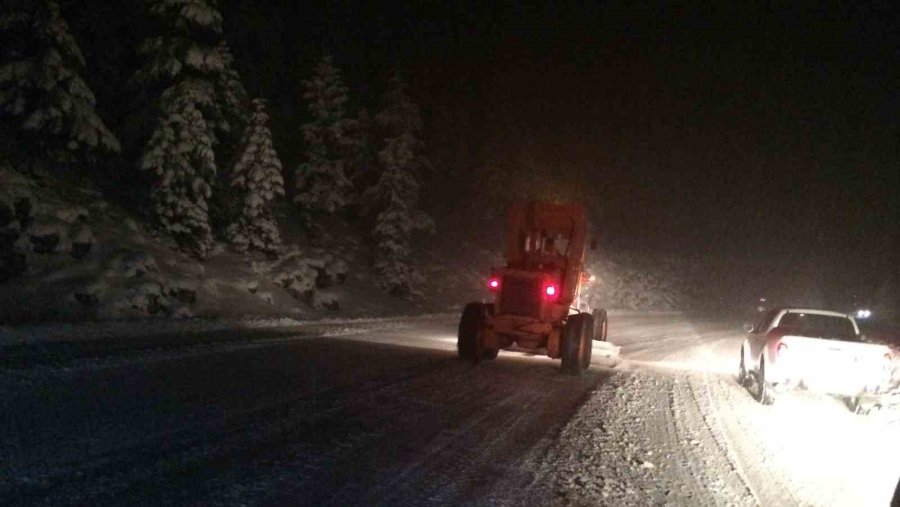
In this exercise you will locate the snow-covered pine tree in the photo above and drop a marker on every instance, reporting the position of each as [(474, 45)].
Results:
[(394, 197), (233, 112), (322, 185), (257, 173), (46, 106), (232, 97), (192, 69), (361, 160), (191, 53), (180, 154)]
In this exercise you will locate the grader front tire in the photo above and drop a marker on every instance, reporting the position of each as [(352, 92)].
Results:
[(576, 347), (601, 324)]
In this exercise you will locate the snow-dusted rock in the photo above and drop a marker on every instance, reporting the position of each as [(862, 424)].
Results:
[(82, 233), (131, 263), (337, 270), (317, 261), (92, 292), (72, 214), (243, 284), (301, 288), (85, 298), (82, 240), (297, 276), (266, 296), (100, 205), (182, 289), (48, 235), (181, 312), (146, 297), (261, 267), (132, 298), (326, 300)]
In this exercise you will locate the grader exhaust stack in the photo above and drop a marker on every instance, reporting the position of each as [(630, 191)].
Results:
[(536, 304)]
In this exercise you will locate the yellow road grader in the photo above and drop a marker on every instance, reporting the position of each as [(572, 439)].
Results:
[(536, 295)]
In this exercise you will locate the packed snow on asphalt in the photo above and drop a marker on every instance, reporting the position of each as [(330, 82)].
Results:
[(382, 412)]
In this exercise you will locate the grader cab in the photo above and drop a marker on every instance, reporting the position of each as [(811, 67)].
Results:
[(537, 306)]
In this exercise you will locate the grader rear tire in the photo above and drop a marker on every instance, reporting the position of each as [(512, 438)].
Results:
[(468, 345), (489, 354), (576, 347), (469, 339)]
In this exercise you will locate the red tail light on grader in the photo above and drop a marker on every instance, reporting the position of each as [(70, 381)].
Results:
[(536, 304)]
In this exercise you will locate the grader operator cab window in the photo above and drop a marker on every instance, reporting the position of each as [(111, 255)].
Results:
[(544, 243), (556, 244)]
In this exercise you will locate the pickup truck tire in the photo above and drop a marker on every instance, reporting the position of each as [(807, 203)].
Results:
[(855, 404), (743, 376), (469, 346), (576, 346), (896, 501), (764, 393)]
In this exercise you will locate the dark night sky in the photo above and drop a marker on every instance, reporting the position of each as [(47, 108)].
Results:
[(762, 134), (765, 134)]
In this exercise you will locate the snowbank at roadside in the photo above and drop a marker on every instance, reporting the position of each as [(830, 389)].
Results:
[(69, 255), (148, 327)]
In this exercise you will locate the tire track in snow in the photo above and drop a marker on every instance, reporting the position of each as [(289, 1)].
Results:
[(725, 443), (701, 351), (640, 439), (767, 486), (787, 453), (482, 429)]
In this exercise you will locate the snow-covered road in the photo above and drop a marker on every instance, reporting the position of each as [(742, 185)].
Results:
[(382, 412)]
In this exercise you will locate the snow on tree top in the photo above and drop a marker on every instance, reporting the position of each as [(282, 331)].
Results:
[(189, 13), (40, 84)]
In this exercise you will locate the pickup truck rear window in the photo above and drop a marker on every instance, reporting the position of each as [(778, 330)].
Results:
[(819, 326)]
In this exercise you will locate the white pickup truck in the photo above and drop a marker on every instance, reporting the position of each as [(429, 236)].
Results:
[(815, 349)]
